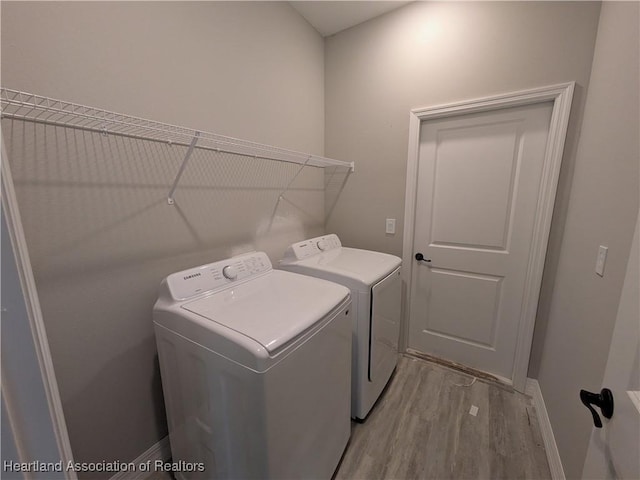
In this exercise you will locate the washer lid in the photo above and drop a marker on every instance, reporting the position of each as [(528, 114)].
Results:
[(271, 309), (364, 266)]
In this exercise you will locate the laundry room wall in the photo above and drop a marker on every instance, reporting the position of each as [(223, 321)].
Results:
[(433, 53), (100, 233), (429, 54), (578, 309)]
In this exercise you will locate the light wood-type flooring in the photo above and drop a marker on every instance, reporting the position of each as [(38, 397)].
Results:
[(422, 428)]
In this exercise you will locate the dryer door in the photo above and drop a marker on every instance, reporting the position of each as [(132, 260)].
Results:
[(386, 302)]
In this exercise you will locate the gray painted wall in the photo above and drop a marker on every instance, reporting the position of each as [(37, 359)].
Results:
[(577, 316), (431, 53), (100, 233)]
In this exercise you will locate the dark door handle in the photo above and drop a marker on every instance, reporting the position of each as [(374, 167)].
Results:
[(602, 400), (420, 258)]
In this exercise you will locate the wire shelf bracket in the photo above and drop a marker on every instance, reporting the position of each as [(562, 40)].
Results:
[(192, 145), (43, 110)]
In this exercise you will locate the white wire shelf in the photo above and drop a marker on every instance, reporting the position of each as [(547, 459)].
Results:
[(38, 109)]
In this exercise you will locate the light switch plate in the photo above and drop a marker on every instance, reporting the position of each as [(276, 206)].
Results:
[(390, 225), (601, 260)]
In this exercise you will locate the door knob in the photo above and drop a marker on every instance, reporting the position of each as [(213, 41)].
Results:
[(602, 400), (420, 258)]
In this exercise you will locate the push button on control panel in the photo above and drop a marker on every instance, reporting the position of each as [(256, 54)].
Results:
[(255, 264)]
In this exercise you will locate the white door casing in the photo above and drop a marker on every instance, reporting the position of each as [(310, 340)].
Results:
[(613, 449), (31, 403), (477, 231)]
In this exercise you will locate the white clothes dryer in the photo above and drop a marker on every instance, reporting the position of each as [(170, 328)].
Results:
[(253, 370), (376, 292)]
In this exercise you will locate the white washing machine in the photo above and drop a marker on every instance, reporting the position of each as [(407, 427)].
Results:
[(376, 292), (255, 370)]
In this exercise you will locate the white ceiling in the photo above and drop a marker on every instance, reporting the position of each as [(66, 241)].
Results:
[(329, 17)]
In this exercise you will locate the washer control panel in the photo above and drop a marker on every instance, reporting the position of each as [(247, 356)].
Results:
[(313, 246), (214, 276)]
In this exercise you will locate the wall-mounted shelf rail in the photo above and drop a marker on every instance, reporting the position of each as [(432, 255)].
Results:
[(38, 109)]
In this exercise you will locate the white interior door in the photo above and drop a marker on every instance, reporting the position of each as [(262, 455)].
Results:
[(479, 182), (614, 449)]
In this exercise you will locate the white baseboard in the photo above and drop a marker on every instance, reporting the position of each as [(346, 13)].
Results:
[(159, 451), (532, 388)]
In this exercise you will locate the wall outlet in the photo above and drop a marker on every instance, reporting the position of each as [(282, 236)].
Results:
[(390, 225), (600, 261)]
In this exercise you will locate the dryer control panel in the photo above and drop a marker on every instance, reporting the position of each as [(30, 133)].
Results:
[(213, 276), (313, 246)]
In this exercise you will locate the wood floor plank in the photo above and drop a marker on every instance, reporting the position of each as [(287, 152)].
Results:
[(422, 428), (474, 436)]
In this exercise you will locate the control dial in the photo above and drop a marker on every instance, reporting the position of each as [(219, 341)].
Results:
[(322, 245), (230, 272)]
